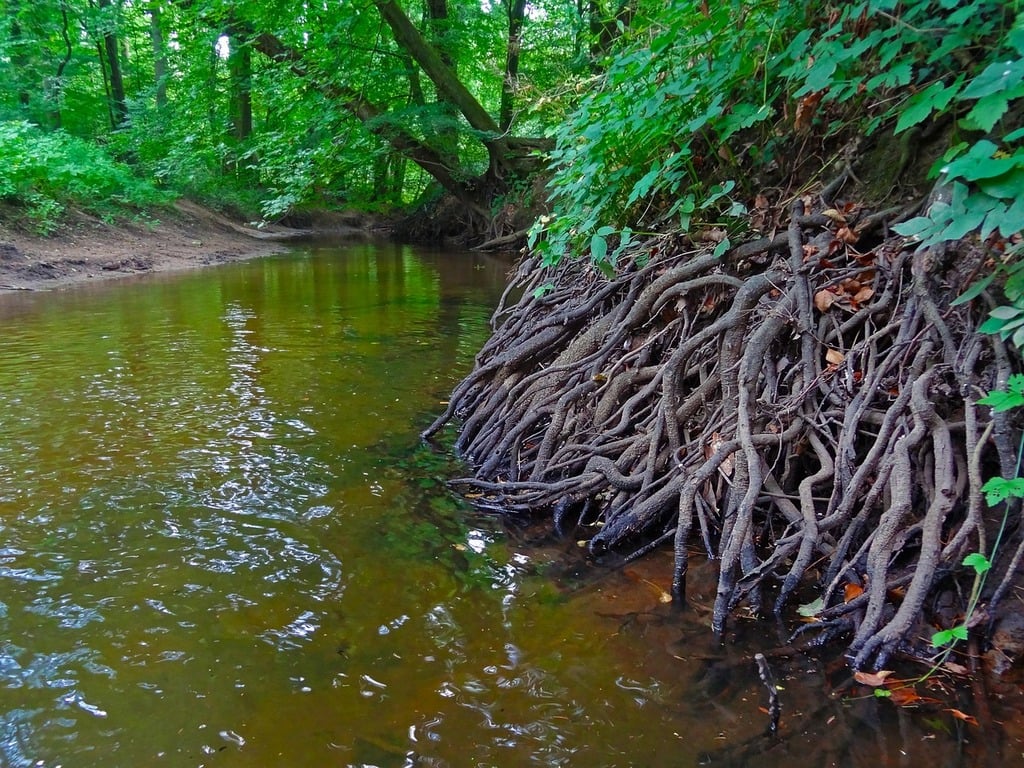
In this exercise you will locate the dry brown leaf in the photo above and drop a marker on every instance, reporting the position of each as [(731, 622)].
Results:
[(873, 679), (956, 669), (835, 215), (962, 716), (834, 357), (904, 697), (805, 111), (863, 294), (823, 300), (726, 466), (851, 590), (847, 235)]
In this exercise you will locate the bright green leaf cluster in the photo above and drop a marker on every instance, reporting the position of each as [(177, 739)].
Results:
[(44, 172)]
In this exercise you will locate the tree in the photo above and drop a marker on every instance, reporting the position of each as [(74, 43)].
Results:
[(110, 60)]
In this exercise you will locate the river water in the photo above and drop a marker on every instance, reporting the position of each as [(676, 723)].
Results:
[(221, 544)]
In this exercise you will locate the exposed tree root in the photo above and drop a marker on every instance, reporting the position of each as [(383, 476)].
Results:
[(804, 408)]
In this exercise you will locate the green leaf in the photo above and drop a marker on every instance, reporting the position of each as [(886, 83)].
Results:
[(917, 108), (598, 248), (643, 186), (812, 608), (974, 291), (978, 562), (882, 693), (987, 112), (542, 290), (998, 490), (979, 163), (949, 636), (992, 325), (721, 248), (1006, 312), (996, 77), (606, 269), (1002, 401), (914, 227), (1007, 185)]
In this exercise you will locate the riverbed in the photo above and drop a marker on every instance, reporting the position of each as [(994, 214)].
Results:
[(223, 544)]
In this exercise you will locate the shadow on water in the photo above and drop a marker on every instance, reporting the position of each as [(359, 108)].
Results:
[(223, 545)]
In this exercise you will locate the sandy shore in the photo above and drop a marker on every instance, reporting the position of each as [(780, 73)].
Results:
[(87, 249)]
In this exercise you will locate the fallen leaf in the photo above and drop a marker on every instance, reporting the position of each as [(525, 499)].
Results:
[(905, 697), (823, 300), (847, 235), (834, 357), (726, 466), (835, 215), (851, 590), (962, 716), (956, 669), (806, 109), (812, 608), (873, 679), (863, 294)]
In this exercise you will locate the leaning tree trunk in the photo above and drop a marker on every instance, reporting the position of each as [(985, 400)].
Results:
[(805, 409)]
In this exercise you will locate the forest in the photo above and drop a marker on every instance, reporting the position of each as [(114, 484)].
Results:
[(770, 308)]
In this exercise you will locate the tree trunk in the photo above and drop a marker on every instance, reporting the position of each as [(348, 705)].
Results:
[(18, 58), (156, 36), (516, 14), (118, 102), (240, 69), (445, 132), (446, 82)]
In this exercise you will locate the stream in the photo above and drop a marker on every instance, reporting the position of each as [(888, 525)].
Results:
[(222, 544)]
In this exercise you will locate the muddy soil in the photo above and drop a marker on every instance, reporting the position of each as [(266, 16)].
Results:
[(86, 249)]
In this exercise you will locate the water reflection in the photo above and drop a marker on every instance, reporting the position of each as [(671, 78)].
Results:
[(222, 545)]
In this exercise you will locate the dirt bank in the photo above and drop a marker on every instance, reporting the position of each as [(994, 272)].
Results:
[(86, 249)]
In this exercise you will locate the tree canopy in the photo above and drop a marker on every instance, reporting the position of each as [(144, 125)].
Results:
[(367, 104)]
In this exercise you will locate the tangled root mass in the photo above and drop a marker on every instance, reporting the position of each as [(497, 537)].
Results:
[(803, 409)]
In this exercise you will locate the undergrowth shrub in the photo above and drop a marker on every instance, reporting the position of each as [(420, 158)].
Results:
[(45, 172)]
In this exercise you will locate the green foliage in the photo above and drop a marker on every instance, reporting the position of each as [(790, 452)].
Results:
[(45, 172), (698, 95), (636, 150)]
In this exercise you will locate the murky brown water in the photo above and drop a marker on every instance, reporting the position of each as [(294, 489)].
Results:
[(221, 545)]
